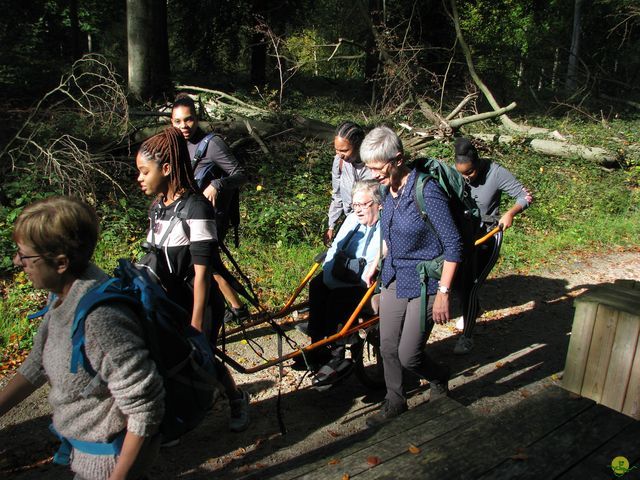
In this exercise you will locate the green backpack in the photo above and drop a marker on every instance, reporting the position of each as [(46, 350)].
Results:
[(463, 208)]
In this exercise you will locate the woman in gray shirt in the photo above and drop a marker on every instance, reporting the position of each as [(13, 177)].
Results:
[(487, 181)]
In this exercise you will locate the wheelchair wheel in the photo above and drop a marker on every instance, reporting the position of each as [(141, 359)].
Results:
[(368, 361)]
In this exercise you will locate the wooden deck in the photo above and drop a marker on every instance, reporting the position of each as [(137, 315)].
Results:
[(553, 434)]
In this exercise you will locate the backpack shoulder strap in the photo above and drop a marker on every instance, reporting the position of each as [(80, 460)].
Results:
[(44, 310), (201, 150), (178, 215), (421, 179), (107, 292)]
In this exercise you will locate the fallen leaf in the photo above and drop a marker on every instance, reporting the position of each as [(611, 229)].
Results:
[(373, 460), (334, 434), (499, 364), (345, 476), (413, 449), (334, 461)]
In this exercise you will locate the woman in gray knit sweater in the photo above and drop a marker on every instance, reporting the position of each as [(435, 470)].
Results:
[(55, 238)]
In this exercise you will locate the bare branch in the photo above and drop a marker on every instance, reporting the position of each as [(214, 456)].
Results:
[(90, 99)]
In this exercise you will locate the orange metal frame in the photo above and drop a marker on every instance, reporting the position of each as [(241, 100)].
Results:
[(348, 328)]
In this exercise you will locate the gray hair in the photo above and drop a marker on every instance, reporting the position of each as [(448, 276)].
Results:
[(380, 145), (372, 187)]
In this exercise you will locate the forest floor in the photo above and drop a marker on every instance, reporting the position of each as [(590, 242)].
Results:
[(521, 344)]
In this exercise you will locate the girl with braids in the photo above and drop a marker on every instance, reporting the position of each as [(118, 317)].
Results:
[(347, 169), (183, 231)]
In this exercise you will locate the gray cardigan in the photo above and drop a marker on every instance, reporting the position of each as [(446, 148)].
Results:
[(131, 396), (343, 176)]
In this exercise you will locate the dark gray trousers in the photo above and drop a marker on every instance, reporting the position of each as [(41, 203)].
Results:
[(402, 342)]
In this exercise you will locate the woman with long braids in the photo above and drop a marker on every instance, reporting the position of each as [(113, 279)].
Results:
[(183, 233), (347, 169)]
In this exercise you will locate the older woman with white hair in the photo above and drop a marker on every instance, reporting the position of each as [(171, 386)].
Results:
[(409, 240), (336, 293)]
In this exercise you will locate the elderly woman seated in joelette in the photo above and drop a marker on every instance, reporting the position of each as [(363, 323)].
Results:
[(335, 294)]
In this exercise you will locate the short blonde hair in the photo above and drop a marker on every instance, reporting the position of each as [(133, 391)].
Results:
[(59, 225)]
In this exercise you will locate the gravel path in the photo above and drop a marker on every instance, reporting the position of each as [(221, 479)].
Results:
[(521, 343)]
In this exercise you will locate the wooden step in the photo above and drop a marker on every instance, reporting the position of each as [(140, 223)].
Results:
[(553, 434)]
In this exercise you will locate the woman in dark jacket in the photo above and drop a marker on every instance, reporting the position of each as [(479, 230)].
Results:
[(408, 241)]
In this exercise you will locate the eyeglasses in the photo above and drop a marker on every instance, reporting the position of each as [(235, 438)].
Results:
[(362, 205), (380, 169), (26, 257)]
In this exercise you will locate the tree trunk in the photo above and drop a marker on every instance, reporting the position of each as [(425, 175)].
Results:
[(556, 148), (372, 59), (258, 69), (75, 29), (258, 74), (148, 48), (574, 51), (506, 121)]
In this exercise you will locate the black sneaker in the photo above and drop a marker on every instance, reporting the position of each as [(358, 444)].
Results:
[(386, 413), (237, 315)]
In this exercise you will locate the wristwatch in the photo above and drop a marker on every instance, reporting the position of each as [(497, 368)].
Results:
[(443, 289)]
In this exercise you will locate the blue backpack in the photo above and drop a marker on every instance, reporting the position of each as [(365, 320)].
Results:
[(203, 173), (182, 355)]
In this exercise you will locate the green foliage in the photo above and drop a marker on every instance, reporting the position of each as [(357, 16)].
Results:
[(276, 268), (291, 193), (124, 225), (16, 331)]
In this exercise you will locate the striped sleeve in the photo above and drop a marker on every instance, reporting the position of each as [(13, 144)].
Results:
[(202, 231)]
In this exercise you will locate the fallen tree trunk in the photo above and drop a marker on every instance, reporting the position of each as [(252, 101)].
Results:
[(264, 129), (506, 121), (557, 148), (481, 116)]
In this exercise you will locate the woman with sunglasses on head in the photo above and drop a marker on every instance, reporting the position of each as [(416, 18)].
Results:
[(334, 295), (487, 181), (121, 413), (346, 170), (409, 240), (183, 232)]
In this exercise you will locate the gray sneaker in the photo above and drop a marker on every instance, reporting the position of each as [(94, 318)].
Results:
[(239, 418), (386, 413), (440, 387), (463, 346)]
